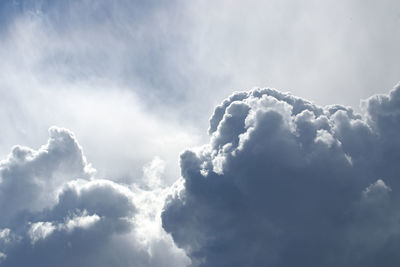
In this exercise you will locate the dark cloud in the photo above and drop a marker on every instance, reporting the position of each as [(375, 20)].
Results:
[(284, 182), (87, 216), (55, 212)]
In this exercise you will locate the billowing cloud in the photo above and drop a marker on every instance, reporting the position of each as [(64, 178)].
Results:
[(284, 182), (29, 178), (56, 212)]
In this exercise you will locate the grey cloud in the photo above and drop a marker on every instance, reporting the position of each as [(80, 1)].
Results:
[(56, 212), (284, 182), (78, 230)]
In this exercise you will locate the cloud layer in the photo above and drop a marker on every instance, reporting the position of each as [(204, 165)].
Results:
[(55, 212), (284, 182)]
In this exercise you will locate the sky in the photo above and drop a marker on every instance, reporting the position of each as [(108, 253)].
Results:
[(199, 133)]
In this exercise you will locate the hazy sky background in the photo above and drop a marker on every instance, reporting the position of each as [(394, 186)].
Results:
[(129, 73)]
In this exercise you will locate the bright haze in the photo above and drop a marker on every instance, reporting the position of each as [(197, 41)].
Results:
[(148, 133)]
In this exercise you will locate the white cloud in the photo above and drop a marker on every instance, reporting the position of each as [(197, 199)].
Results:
[(153, 171), (2, 256), (30, 178), (324, 137), (5, 235), (40, 230)]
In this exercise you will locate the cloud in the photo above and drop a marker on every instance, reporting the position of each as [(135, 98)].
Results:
[(29, 178), (55, 211), (284, 182), (133, 78)]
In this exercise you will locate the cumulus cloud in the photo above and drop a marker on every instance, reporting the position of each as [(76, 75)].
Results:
[(56, 212), (284, 182), (29, 178)]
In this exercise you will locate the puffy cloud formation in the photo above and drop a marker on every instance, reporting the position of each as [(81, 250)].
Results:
[(29, 178), (284, 182), (55, 212)]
